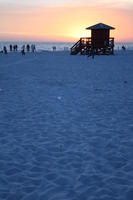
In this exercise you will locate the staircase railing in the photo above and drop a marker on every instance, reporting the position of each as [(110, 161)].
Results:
[(75, 44), (81, 45), (75, 48), (84, 45)]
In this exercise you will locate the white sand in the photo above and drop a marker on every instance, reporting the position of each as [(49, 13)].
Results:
[(66, 127)]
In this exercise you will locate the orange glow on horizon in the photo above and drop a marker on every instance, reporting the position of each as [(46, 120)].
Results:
[(64, 23)]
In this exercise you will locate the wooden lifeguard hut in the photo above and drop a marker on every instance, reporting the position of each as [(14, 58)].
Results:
[(100, 41)]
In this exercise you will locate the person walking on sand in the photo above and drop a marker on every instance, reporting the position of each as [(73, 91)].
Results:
[(92, 52), (23, 50), (123, 48), (33, 48), (5, 50), (54, 48), (28, 47), (10, 48), (16, 48)]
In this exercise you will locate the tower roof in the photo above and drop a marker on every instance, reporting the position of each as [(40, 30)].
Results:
[(100, 26)]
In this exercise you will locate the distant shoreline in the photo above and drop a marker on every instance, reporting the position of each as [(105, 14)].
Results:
[(60, 46)]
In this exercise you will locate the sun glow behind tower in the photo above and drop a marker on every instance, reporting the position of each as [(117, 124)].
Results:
[(64, 20)]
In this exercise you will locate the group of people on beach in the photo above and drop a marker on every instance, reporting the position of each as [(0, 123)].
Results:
[(23, 49), (28, 48)]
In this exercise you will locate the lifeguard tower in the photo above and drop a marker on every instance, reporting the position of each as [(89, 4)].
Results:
[(100, 41)]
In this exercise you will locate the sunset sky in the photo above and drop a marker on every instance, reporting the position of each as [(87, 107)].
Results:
[(63, 20)]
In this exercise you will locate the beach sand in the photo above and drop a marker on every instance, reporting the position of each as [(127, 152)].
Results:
[(66, 127)]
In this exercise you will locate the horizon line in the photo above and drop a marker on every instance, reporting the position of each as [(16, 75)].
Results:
[(55, 41)]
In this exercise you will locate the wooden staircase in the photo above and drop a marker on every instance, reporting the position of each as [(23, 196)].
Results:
[(84, 47), (75, 49)]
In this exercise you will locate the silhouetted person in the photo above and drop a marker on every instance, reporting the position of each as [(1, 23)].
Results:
[(5, 50), (28, 47), (54, 48), (16, 48), (92, 51), (23, 50), (10, 47), (105, 46), (111, 43), (123, 48), (33, 48), (105, 43)]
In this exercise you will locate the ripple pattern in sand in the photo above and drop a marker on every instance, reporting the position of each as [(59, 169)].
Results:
[(65, 133)]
